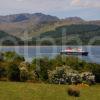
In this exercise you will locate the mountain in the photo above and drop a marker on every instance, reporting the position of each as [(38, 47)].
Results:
[(37, 17), (18, 24), (27, 26), (14, 18), (80, 34), (73, 20), (33, 24)]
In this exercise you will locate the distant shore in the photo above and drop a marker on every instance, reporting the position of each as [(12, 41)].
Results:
[(45, 45)]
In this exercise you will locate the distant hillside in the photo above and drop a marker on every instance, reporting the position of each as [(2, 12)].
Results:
[(70, 35), (37, 17), (27, 27), (32, 25), (6, 39), (19, 24)]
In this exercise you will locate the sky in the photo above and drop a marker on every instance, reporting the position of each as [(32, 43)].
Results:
[(86, 9)]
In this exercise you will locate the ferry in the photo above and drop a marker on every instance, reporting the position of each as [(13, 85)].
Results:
[(74, 51)]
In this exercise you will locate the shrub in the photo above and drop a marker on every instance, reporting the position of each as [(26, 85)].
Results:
[(13, 72), (2, 72), (8, 56), (24, 71), (1, 56), (23, 75), (41, 68), (73, 91), (13, 56), (18, 58), (96, 71)]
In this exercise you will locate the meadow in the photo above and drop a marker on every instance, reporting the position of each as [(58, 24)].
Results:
[(34, 91)]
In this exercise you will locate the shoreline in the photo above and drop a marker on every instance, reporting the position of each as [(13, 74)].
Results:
[(50, 45)]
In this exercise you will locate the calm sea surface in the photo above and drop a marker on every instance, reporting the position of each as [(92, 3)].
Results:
[(30, 52)]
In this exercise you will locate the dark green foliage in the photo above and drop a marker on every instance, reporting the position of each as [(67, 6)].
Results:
[(13, 56), (80, 34), (3, 34), (68, 35), (15, 69), (96, 71), (13, 72), (42, 65), (41, 68), (19, 58), (9, 56), (23, 75), (7, 39), (1, 56), (2, 72)]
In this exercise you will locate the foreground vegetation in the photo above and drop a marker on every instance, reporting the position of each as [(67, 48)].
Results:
[(40, 77), (30, 91), (61, 69)]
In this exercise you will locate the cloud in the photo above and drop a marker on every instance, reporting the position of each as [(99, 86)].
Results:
[(20, 0), (34, 5), (53, 7), (75, 2), (86, 3)]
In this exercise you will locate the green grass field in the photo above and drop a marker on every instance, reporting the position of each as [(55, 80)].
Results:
[(30, 91)]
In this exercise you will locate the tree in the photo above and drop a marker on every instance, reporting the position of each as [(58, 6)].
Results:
[(1, 56), (2, 72), (96, 71), (24, 71), (13, 73), (23, 74), (41, 68), (13, 56), (9, 56), (18, 58)]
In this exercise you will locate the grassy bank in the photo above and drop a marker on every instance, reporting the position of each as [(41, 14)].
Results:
[(30, 91)]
